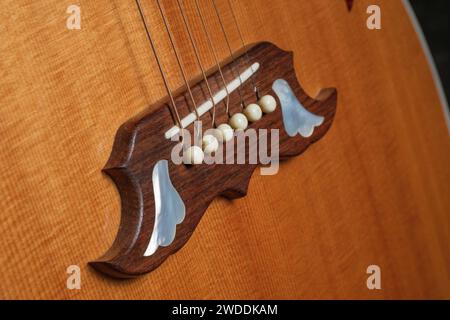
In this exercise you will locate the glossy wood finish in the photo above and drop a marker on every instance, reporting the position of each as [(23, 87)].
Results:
[(375, 190)]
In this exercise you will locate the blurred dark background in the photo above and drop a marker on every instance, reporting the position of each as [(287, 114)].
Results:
[(434, 17)]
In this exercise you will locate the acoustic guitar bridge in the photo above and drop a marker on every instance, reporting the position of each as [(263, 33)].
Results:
[(166, 186)]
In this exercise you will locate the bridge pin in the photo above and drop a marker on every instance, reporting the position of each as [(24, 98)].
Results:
[(227, 132), (253, 112), (267, 103), (239, 121), (193, 155), (210, 144)]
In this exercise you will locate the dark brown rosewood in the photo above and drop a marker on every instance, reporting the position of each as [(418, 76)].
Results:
[(349, 4), (140, 143)]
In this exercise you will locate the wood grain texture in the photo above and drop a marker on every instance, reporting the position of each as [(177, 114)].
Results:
[(385, 199)]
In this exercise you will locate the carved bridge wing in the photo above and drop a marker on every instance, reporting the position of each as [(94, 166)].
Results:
[(162, 202)]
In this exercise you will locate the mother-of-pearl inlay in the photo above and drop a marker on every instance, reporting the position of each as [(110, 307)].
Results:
[(296, 119), (169, 209)]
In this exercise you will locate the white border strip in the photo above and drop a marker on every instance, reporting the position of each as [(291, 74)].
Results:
[(426, 48), (218, 97)]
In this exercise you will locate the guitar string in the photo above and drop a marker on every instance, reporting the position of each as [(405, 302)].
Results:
[(244, 45), (212, 49), (177, 55), (216, 9), (160, 66), (197, 55), (180, 64)]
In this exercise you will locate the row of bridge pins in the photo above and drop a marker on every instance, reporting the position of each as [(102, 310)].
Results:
[(225, 132)]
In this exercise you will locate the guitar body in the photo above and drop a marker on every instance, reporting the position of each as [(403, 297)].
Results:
[(375, 190)]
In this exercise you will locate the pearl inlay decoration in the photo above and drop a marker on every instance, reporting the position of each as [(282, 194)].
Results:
[(169, 209)]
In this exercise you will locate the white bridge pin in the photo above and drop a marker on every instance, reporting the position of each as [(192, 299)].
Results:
[(210, 144), (227, 132), (253, 112), (239, 121), (193, 155), (267, 103)]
